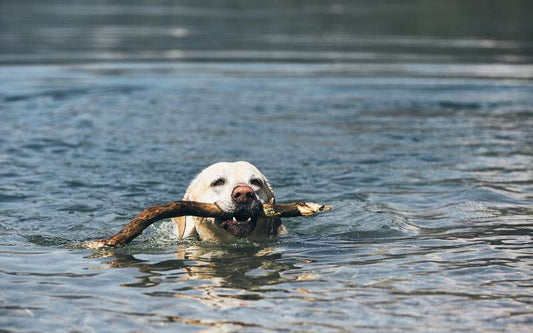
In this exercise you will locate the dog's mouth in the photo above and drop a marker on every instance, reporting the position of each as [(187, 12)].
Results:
[(242, 223), (241, 218), (239, 228)]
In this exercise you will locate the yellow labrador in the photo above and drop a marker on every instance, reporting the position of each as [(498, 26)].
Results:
[(238, 188)]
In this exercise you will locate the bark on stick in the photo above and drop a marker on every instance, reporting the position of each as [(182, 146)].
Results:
[(192, 208)]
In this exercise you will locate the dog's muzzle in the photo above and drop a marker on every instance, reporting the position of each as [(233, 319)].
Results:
[(244, 213)]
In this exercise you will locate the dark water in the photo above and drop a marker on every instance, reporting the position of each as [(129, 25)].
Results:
[(414, 119)]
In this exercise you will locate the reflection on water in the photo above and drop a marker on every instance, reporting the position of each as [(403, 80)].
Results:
[(243, 267), (412, 118)]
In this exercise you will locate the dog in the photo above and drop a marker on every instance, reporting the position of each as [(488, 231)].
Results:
[(238, 188)]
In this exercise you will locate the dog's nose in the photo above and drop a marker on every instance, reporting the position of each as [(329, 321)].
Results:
[(243, 194)]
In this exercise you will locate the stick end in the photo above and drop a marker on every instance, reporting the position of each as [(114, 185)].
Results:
[(310, 208)]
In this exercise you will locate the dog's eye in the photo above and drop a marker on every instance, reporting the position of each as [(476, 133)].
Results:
[(256, 182), (218, 182)]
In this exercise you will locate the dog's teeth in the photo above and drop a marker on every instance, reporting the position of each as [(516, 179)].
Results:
[(234, 219)]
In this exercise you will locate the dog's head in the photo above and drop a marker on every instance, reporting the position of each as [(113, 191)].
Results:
[(237, 188)]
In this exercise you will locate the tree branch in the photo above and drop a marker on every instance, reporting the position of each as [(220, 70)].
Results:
[(192, 208)]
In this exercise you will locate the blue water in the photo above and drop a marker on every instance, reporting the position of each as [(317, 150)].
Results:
[(426, 159)]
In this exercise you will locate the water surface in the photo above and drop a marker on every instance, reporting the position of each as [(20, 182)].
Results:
[(421, 142)]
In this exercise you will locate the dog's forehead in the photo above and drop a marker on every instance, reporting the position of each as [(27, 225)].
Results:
[(236, 170)]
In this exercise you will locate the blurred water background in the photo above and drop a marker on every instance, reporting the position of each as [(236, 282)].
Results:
[(413, 118)]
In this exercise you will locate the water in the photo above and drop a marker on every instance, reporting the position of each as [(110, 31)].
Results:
[(420, 136)]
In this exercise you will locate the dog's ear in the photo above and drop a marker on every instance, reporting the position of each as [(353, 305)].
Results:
[(188, 196), (270, 191), (181, 224)]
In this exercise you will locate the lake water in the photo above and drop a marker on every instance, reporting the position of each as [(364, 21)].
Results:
[(414, 119)]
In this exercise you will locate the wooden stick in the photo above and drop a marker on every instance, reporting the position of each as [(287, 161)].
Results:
[(192, 208)]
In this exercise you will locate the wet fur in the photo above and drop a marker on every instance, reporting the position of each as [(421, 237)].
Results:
[(201, 189)]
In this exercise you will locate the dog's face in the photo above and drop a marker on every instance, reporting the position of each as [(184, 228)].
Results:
[(237, 188)]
